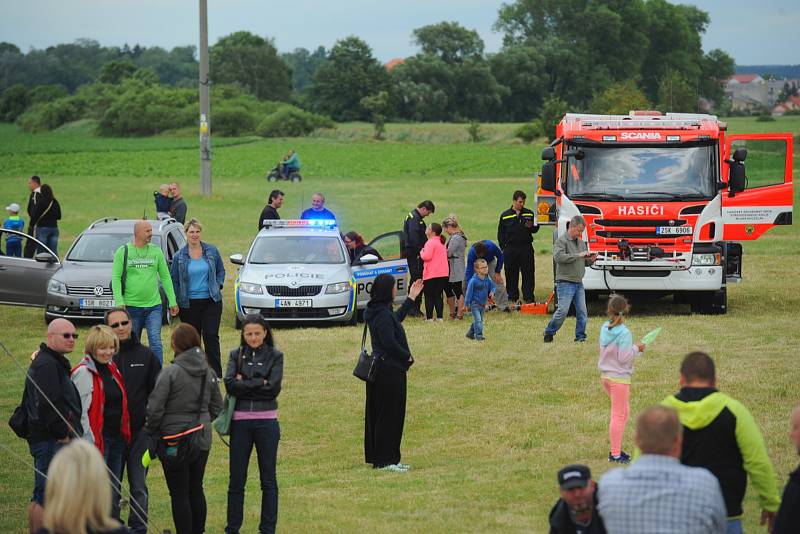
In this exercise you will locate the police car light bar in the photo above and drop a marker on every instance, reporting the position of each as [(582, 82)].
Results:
[(300, 223)]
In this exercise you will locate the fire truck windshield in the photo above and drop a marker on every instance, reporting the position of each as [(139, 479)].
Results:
[(641, 172)]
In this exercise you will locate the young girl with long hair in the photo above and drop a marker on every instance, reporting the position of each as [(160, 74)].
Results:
[(617, 353), (435, 271)]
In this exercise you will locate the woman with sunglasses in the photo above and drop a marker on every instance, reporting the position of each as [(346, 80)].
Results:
[(139, 368)]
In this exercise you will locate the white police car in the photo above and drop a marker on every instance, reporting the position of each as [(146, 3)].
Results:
[(299, 270)]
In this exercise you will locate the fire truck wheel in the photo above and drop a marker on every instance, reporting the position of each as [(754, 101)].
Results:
[(711, 302)]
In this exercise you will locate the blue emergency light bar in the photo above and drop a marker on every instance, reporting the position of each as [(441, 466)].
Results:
[(327, 224)]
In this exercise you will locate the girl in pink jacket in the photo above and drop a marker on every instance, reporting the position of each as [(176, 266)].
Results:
[(435, 271), (617, 352)]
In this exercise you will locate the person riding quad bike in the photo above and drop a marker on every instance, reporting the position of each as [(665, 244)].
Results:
[(287, 169)]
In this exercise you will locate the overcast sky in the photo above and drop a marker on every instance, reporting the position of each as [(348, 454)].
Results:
[(753, 32)]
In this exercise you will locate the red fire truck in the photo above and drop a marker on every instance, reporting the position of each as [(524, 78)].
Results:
[(666, 200)]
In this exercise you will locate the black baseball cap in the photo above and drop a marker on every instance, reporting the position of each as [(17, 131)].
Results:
[(574, 476)]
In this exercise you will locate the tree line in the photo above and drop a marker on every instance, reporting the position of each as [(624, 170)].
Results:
[(578, 55)]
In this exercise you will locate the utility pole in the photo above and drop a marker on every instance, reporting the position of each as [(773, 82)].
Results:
[(205, 107)]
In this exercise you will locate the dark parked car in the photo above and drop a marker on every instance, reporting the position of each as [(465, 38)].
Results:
[(80, 286)]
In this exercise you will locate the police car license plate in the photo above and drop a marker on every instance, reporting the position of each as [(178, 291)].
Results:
[(674, 230), (97, 303), (292, 303)]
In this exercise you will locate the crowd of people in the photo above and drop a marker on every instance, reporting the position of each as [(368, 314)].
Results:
[(119, 405)]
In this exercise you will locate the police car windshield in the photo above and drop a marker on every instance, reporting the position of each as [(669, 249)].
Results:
[(297, 249), (100, 248), (637, 172)]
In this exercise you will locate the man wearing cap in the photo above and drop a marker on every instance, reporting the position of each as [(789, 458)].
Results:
[(14, 222), (657, 493), (576, 510)]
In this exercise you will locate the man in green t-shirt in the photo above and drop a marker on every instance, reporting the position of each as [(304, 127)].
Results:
[(141, 296)]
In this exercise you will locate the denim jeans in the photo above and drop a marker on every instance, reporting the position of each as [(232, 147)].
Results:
[(734, 526), (568, 293), (137, 473), (42, 452), (114, 455), (150, 319), (48, 236), (264, 434), (14, 248), (476, 328)]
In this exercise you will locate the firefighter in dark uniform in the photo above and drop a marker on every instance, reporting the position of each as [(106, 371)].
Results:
[(515, 236), (413, 239)]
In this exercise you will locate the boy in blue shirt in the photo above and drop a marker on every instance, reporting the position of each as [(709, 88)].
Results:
[(14, 222), (479, 290)]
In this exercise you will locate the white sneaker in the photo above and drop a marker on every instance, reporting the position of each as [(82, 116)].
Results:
[(395, 468), (404, 466)]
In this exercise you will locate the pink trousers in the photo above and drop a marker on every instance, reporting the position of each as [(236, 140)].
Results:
[(620, 396)]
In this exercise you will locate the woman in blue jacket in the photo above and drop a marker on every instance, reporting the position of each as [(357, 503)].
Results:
[(198, 275), (386, 396)]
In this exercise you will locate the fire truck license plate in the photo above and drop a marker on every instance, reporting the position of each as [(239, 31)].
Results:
[(674, 230), (292, 303)]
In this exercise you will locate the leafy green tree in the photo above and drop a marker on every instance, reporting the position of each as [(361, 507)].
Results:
[(676, 95), (252, 62), (350, 74), (13, 103), (520, 68), (417, 101), (717, 66), (378, 107), (115, 71), (553, 111), (619, 99), (675, 45), (449, 41), (303, 65)]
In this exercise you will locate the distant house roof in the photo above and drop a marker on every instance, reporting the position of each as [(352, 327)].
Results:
[(393, 63), (745, 78)]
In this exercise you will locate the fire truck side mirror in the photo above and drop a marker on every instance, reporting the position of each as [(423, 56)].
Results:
[(737, 181), (740, 154), (548, 153), (549, 176)]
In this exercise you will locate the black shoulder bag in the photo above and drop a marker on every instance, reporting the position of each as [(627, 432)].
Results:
[(183, 447), (368, 364)]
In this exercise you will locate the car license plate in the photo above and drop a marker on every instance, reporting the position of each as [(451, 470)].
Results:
[(97, 303), (674, 230), (292, 303)]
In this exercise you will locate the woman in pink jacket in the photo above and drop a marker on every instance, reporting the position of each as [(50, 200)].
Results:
[(435, 271)]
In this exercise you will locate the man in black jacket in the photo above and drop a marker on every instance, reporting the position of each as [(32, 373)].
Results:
[(35, 185), (576, 511), (50, 429), (412, 241), (139, 368), (788, 519), (515, 236), (270, 211)]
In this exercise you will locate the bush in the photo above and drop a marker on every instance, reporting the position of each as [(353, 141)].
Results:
[(292, 122), (47, 93), (529, 131), (13, 103), (50, 115), (474, 131), (232, 122), (765, 117)]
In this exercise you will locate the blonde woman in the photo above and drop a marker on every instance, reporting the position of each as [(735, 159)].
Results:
[(456, 257), (104, 402), (77, 494), (198, 275)]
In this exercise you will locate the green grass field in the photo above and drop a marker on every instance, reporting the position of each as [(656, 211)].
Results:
[(488, 425)]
